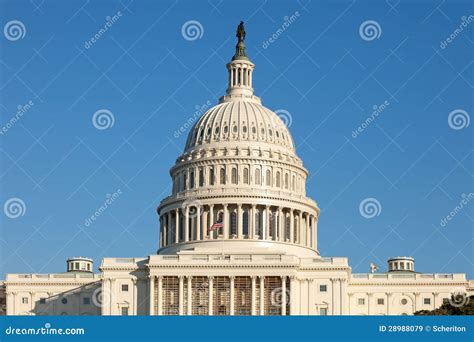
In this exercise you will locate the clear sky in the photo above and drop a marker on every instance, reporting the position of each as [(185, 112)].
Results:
[(325, 69)]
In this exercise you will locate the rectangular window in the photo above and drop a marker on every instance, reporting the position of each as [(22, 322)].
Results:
[(124, 287), (323, 312), (323, 288), (427, 301), (24, 300), (361, 301), (380, 301), (42, 301), (86, 300), (124, 311)]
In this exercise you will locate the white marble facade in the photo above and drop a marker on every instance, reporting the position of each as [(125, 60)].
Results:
[(240, 169)]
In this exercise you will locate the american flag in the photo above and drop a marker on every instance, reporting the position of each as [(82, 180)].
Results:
[(217, 225)]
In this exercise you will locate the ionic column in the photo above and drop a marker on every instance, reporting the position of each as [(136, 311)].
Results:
[(211, 290), (239, 222), (189, 309), (226, 222), (198, 222), (283, 296), (181, 295), (176, 226), (292, 226), (254, 295), (151, 290), (186, 224), (232, 304), (262, 296), (211, 221), (160, 295)]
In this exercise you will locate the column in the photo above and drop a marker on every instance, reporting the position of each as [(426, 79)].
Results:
[(160, 244), (252, 222), (226, 222), (198, 222), (211, 290), (333, 297), (111, 297), (315, 232), (211, 221), (262, 296), (151, 290), (349, 303), (265, 223), (186, 224), (176, 228), (254, 295), (239, 222), (190, 298), (281, 225), (206, 225), (292, 226), (181, 295), (293, 295), (389, 295), (160, 295), (308, 230), (369, 303), (135, 296), (283, 296), (165, 230), (343, 291), (435, 300), (417, 300), (300, 228), (241, 72), (232, 304), (231, 77)]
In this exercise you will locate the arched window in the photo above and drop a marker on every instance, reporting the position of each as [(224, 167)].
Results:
[(211, 176), (234, 175), (278, 179), (201, 177), (245, 222), (246, 176), (258, 226), (258, 180), (191, 179), (268, 177), (233, 223), (222, 176)]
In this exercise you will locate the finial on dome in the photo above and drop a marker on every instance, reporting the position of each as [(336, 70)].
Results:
[(240, 47)]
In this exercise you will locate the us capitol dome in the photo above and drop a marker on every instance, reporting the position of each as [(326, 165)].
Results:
[(238, 236)]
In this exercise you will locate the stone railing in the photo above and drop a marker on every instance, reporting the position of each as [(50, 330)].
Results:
[(56, 276), (412, 276)]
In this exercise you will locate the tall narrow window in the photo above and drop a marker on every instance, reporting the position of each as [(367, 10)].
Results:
[(245, 222), (222, 176), (185, 181), (233, 223), (287, 227), (191, 179), (286, 180), (258, 180), (278, 179), (246, 176), (268, 177), (234, 175), (293, 183), (211, 176), (258, 226), (201, 177)]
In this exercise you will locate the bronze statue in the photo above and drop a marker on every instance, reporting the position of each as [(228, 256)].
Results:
[(241, 32)]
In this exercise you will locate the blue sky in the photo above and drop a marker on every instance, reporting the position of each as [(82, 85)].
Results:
[(413, 157)]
